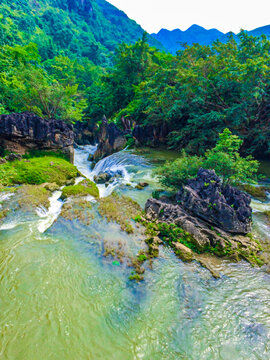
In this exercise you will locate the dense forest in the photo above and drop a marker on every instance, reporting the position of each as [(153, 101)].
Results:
[(48, 67)]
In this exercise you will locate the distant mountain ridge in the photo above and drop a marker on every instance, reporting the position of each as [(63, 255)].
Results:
[(173, 40)]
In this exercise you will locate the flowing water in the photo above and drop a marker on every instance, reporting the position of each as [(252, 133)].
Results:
[(60, 299)]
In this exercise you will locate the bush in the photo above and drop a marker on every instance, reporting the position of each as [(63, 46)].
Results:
[(224, 158), (175, 174)]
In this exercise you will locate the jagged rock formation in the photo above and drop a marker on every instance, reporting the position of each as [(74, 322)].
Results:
[(20, 132), (111, 140), (150, 135), (215, 216), (223, 206)]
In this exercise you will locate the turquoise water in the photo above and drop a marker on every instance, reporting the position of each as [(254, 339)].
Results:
[(62, 299)]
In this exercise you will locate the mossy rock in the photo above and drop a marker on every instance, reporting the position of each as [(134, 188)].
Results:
[(36, 171), (267, 213), (258, 192), (78, 209), (31, 196), (119, 209), (84, 188), (51, 187), (183, 252)]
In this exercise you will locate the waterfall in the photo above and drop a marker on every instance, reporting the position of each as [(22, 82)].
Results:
[(122, 163)]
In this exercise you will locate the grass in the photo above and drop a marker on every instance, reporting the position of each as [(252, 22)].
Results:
[(36, 171), (84, 188)]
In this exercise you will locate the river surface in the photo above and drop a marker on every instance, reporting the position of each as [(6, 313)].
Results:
[(60, 299)]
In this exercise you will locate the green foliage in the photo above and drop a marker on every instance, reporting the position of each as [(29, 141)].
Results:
[(37, 171), (84, 188), (175, 174), (171, 233), (26, 85), (224, 158), (74, 28), (196, 94)]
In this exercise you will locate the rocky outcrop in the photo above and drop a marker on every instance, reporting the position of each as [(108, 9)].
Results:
[(85, 133), (150, 135), (21, 132), (216, 217), (223, 206), (111, 140)]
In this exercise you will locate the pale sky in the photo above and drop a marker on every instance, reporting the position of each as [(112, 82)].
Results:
[(225, 15)]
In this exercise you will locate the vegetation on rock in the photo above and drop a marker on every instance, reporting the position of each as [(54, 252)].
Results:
[(84, 188), (119, 209), (37, 171), (224, 158)]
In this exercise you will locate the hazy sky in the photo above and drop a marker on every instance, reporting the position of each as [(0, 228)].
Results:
[(225, 15)]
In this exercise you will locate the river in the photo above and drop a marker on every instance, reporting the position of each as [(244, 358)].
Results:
[(60, 299)]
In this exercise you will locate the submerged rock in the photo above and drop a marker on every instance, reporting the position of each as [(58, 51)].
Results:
[(102, 178)]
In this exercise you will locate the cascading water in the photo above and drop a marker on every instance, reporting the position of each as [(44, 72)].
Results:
[(124, 164), (61, 299)]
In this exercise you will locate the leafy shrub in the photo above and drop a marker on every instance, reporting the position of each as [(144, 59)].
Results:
[(175, 174), (224, 158)]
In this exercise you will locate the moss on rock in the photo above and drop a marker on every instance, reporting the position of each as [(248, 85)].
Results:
[(77, 210), (31, 196), (258, 192), (119, 209), (36, 171), (84, 188)]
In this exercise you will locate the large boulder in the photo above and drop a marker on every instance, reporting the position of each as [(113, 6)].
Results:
[(20, 132), (111, 140), (223, 206), (214, 215)]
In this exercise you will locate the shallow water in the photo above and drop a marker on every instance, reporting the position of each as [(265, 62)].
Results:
[(61, 299)]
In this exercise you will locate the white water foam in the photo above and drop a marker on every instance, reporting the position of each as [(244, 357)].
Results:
[(50, 215)]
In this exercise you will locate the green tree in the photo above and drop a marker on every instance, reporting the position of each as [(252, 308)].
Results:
[(224, 158)]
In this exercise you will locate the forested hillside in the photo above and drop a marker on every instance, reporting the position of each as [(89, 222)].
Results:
[(88, 28), (53, 57)]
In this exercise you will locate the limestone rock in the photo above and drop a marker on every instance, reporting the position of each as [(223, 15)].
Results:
[(223, 206), (20, 132)]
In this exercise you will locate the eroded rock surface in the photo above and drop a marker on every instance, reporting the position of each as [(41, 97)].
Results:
[(223, 206), (111, 140), (204, 210), (20, 132)]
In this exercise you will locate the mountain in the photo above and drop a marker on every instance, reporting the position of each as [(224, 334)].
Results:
[(175, 39), (264, 30), (172, 40), (77, 28)]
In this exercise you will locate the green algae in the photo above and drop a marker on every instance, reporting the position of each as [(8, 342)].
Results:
[(78, 209), (119, 209), (84, 188), (31, 196), (258, 192), (172, 235)]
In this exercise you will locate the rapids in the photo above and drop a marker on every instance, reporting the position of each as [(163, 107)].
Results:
[(60, 299)]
